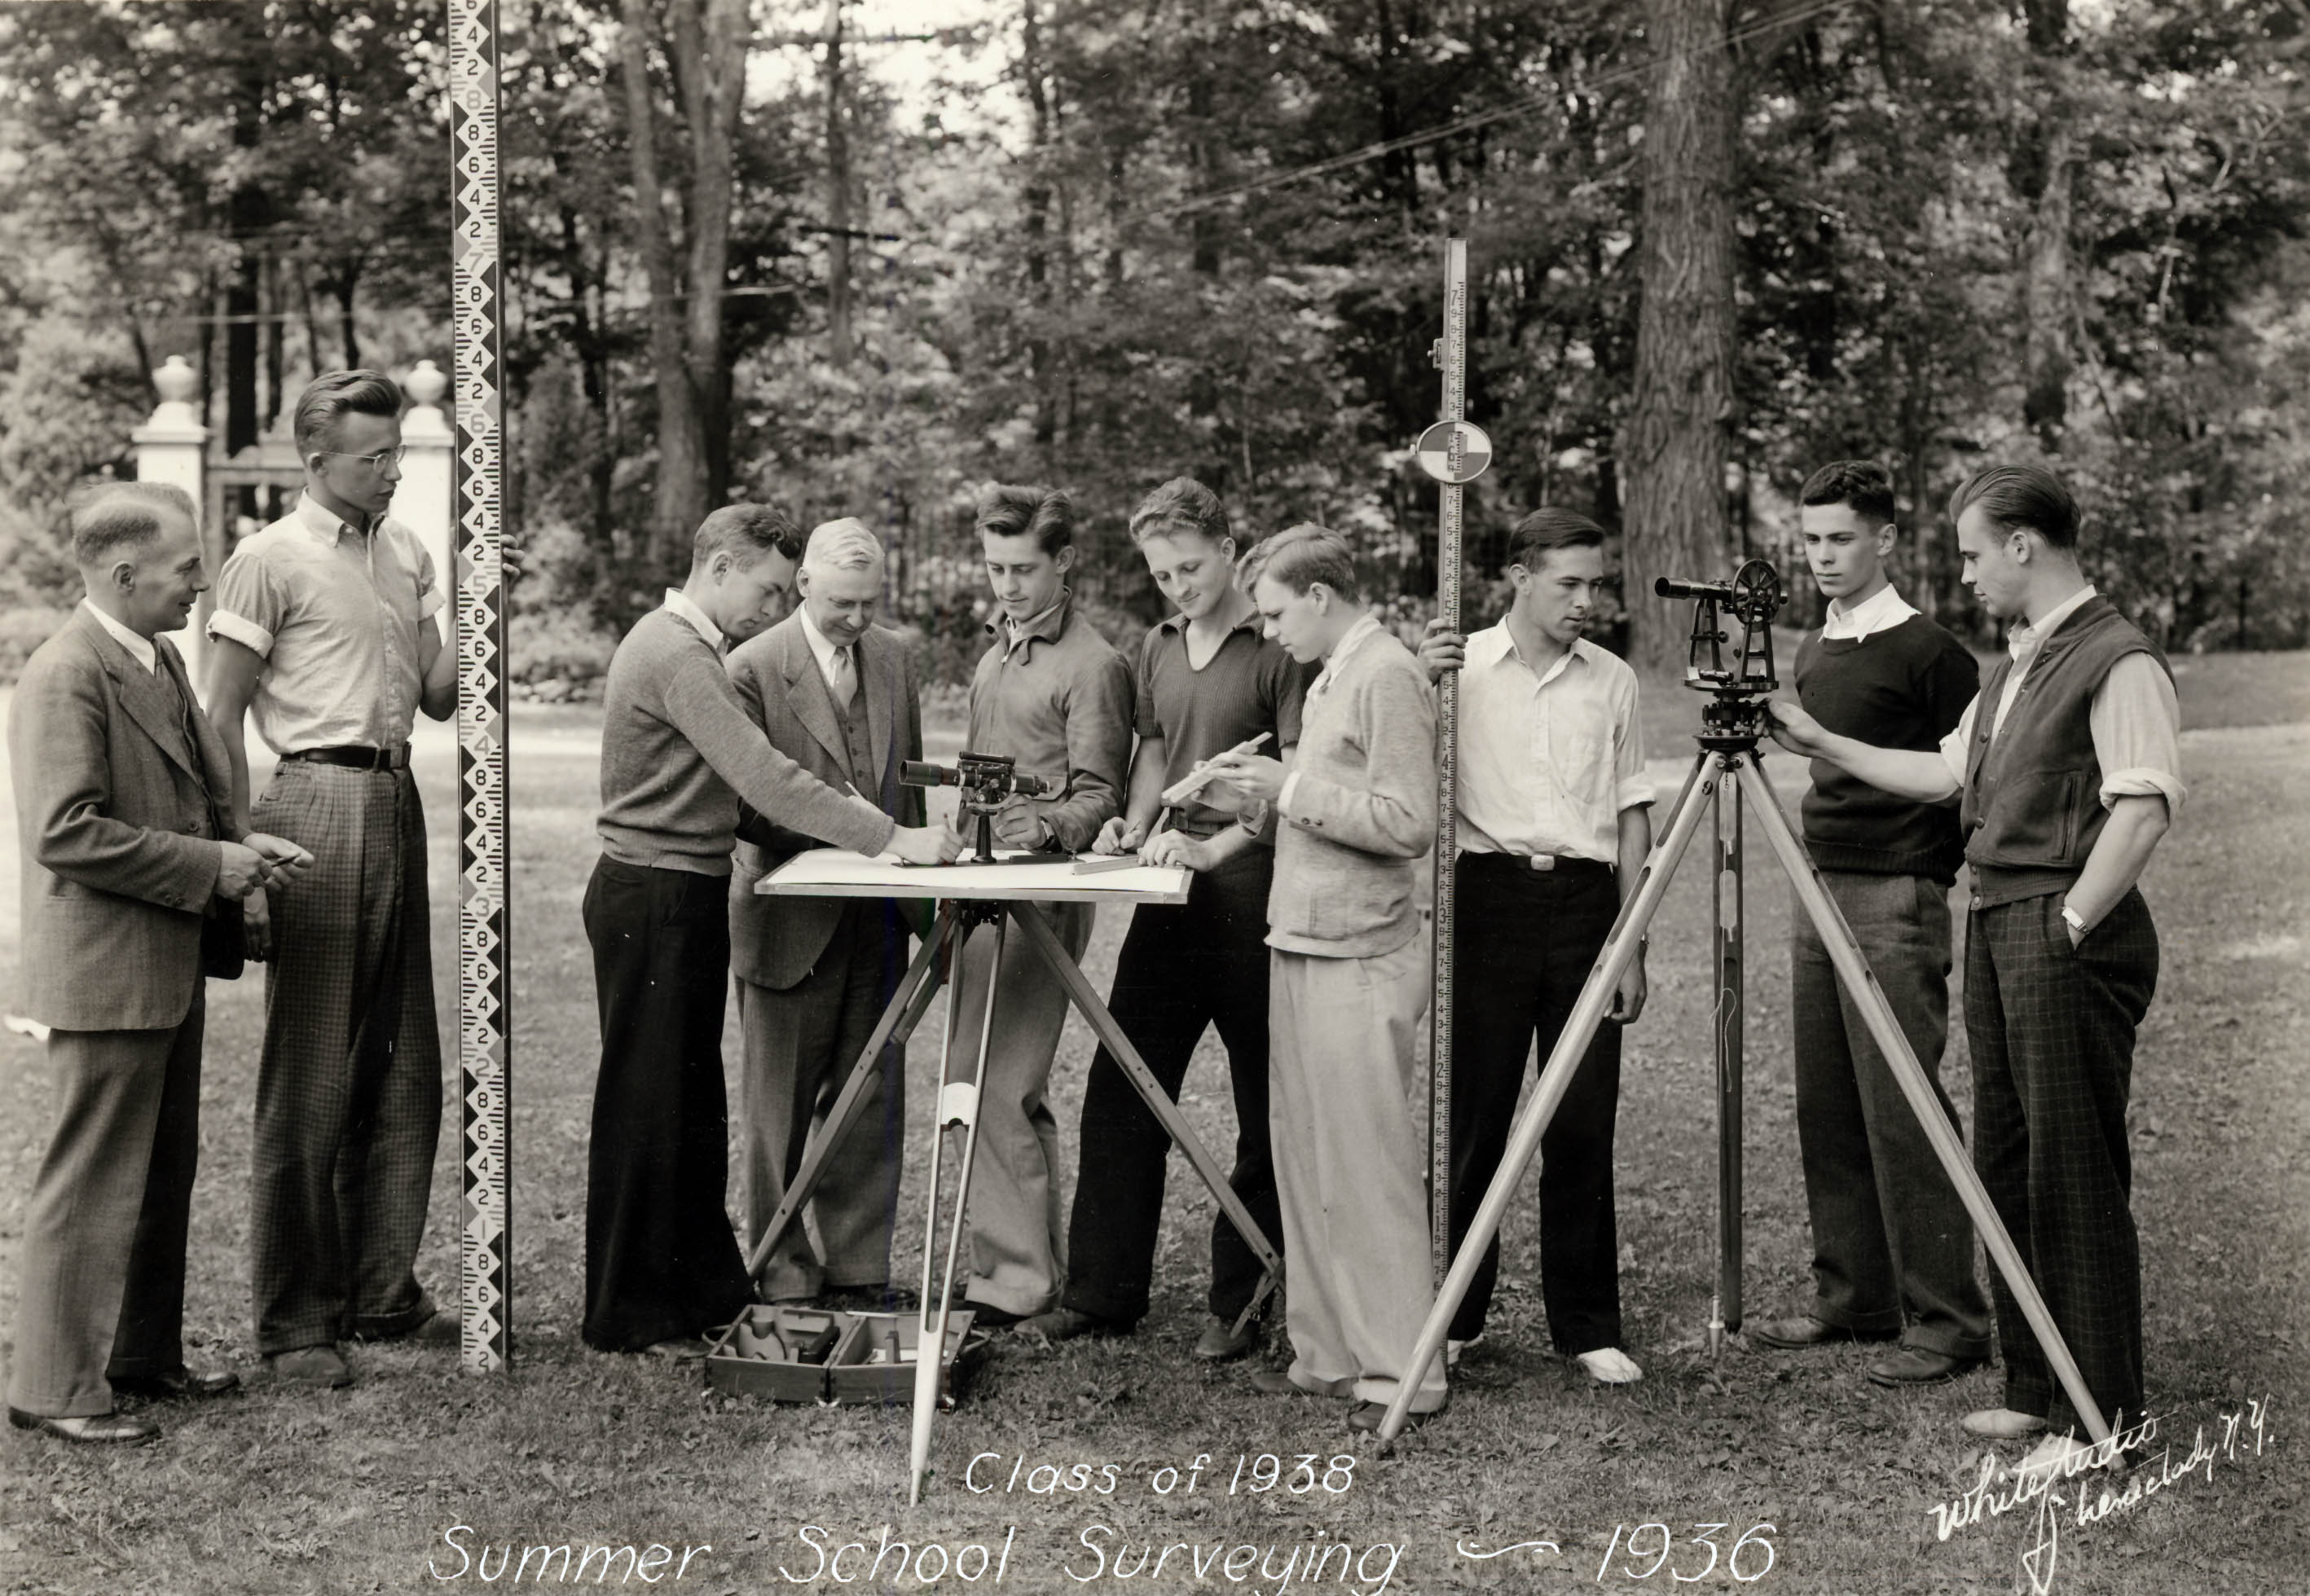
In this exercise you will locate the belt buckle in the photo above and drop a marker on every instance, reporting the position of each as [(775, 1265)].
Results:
[(1542, 861)]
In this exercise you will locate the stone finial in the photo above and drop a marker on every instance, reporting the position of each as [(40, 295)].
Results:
[(425, 384), (176, 381)]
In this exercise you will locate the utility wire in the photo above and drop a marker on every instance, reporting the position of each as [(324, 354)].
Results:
[(1522, 108)]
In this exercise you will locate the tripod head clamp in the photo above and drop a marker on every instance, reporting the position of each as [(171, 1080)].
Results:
[(985, 780), (1734, 719)]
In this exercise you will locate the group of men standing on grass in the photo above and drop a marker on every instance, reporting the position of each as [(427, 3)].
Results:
[(731, 741)]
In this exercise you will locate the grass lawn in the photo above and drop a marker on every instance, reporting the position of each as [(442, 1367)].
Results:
[(354, 1490)]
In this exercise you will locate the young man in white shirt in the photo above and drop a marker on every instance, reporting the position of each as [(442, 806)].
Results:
[(1892, 1244), (1554, 823)]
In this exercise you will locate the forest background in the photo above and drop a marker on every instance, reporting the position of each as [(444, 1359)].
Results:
[(805, 255)]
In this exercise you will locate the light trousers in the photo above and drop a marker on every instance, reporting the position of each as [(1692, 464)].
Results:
[(1348, 1170)]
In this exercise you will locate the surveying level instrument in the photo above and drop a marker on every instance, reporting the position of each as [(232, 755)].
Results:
[(1722, 773)]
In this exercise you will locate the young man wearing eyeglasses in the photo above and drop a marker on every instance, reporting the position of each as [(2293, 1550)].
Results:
[(327, 628)]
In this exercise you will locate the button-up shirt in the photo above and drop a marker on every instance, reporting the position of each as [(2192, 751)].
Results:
[(1549, 757), (140, 648), (2135, 719), (1880, 611), (823, 648), (334, 612), (1056, 698)]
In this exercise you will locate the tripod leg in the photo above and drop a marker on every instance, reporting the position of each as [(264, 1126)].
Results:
[(1861, 984), (1729, 1028), (1086, 1000), (1595, 1000), (957, 1105), (899, 1017)]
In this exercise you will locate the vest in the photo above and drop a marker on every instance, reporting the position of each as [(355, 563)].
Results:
[(2032, 807), (857, 742)]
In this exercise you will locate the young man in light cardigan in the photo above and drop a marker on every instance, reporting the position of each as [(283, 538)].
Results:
[(1348, 981)]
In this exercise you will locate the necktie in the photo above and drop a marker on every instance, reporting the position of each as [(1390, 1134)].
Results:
[(844, 682)]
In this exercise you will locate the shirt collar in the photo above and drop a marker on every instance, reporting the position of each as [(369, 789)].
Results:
[(323, 522), (1880, 611), (1496, 645), (2023, 641), (1045, 624), (686, 607), (1367, 626), (143, 650)]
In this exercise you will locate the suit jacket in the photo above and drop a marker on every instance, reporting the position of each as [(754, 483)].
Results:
[(773, 941), (116, 831)]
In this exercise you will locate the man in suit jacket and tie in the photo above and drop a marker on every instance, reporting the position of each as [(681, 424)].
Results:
[(124, 831), (836, 693)]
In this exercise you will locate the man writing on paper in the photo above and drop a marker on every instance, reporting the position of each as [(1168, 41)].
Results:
[(126, 839), (1053, 695), (835, 693), (2067, 770), (678, 754)]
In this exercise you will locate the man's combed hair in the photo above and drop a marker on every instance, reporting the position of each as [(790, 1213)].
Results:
[(748, 531), (1547, 529), (848, 544), (1180, 505), (2015, 496), (113, 518), (1010, 511), (1299, 557), (335, 394), (1865, 485)]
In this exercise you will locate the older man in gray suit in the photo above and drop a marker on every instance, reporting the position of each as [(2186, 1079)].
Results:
[(836, 693), (124, 831)]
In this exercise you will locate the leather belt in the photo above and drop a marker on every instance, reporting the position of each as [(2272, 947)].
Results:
[(1537, 862), (355, 757)]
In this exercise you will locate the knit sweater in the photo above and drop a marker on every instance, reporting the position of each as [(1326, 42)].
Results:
[(678, 752), (1360, 806), (1905, 686)]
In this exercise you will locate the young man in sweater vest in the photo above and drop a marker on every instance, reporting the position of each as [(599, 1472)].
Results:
[(2067, 768), (677, 753), (1892, 1244), (1347, 981), (1555, 822), (1054, 695)]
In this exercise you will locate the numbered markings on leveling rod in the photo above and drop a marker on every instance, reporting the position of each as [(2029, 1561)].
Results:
[(1453, 452)]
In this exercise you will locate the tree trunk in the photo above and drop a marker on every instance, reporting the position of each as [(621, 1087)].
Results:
[(705, 45), (247, 215), (1673, 454), (1038, 228), (837, 197), (2048, 166)]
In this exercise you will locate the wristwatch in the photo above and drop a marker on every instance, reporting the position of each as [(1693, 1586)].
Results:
[(2077, 922)]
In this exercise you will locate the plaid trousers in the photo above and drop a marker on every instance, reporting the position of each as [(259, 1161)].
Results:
[(349, 1090), (2052, 1029)]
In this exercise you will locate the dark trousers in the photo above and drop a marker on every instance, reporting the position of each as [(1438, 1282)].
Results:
[(1183, 967), (1892, 1244), (2052, 1029), (661, 1260), (103, 1258), (1523, 945), (349, 1088)]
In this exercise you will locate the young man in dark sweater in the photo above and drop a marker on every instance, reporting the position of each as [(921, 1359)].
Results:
[(2068, 770), (1892, 1244)]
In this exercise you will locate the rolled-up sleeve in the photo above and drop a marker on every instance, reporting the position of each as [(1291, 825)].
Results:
[(249, 605), (2136, 721), (1630, 787), (430, 598), (1099, 721), (1954, 745)]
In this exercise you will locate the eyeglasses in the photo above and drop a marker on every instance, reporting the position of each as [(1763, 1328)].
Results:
[(377, 462)]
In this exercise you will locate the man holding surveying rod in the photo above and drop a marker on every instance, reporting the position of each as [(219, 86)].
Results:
[(2066, 767)]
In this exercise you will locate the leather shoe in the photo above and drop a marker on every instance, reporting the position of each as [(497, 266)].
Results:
[(1221, 1341), (1609, 1365), (88, 1429), (317, 1368), (1364, 1418), (1793, 1335), (676, 1349), (1919, 1365), (1065, 1324), (176, 1384), (2002, 1424), (986, 1315), (441, 1329)]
